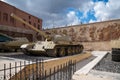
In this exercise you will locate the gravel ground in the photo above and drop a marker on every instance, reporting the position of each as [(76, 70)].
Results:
[(106, 64), (103, 75)]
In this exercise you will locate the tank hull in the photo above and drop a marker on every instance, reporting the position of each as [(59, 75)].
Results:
[(57, 51)]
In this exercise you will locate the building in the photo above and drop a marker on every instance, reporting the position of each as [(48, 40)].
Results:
[(14, 28)]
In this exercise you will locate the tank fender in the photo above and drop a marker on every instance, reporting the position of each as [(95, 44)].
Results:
[(24, 46)]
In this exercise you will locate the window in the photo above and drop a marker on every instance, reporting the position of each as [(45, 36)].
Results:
[(24, 19), (0, 16), (29, 17), (34, 25), (29, 22), (5, 17), (38, 26), (12, 20), (38, 20)]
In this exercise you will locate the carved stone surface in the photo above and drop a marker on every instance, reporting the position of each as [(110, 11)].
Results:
[(100, 31)]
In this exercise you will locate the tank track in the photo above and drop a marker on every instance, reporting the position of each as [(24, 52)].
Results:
[(65, 50)]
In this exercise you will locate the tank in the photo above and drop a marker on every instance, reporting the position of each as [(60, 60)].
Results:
[(8, 43), (53, 45)]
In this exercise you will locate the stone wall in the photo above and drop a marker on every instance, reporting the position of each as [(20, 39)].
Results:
[(101, 46), (92, 34)]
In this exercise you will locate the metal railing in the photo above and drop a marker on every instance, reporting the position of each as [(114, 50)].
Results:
[(29, 70)]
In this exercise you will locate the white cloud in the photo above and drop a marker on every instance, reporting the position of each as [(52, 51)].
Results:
[(86, 7), (50, 10), (92, 21), (53, 11), (69, 19), (72, 18), (110, 10)]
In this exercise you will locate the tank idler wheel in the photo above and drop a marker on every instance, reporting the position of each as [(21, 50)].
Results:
[(61, 52)]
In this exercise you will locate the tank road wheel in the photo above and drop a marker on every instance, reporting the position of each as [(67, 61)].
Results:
[(69, 51), (61, 52), (66, 51), (54, 53), (73, 50), (77, 50)]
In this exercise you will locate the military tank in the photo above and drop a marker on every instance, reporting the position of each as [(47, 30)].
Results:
[(53, 45), (8, 43)]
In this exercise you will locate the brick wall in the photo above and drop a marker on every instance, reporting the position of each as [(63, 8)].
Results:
[(7, 20)]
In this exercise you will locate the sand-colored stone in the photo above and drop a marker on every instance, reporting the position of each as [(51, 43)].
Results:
[(100, 46)]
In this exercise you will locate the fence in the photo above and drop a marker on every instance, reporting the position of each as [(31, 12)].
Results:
[(35, 70)]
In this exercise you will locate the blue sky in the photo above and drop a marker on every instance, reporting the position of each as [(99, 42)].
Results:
[(90, 13), (79, 14), (100, 0), (59, 13)]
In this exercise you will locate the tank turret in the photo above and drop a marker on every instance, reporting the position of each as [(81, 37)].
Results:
[(8, 43)]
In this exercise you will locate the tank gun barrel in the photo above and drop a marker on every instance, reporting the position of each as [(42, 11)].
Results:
[(29, 25)]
